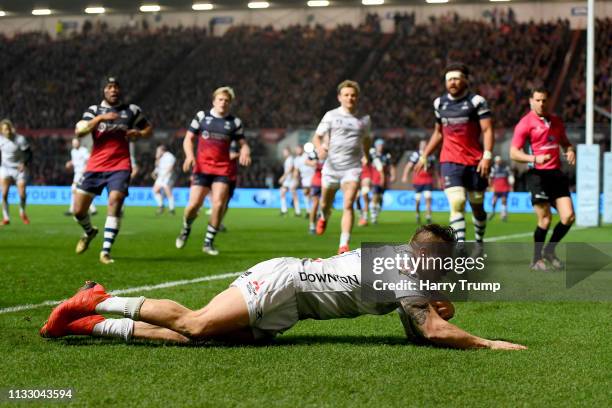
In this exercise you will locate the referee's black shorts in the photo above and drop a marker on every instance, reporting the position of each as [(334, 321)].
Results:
[(546, 186)]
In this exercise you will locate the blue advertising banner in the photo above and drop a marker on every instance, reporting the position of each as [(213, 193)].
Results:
[(394, 200)]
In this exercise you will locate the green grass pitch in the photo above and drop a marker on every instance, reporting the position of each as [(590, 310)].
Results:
[(350, 362)]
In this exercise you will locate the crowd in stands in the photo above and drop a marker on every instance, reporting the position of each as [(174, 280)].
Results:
[(283, 78), (505, 62), (574, 106)]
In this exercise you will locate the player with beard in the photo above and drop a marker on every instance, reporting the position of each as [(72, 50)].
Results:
[(461, 118)]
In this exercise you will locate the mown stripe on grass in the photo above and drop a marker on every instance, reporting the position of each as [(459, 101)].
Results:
[(137, 289)]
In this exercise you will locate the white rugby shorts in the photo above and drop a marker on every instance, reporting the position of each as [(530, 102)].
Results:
[(12, 173), (269, 292), (335, 178)]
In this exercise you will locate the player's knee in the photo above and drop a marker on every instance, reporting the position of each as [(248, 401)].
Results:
[(568, 219), (456, 199), (544, 221)]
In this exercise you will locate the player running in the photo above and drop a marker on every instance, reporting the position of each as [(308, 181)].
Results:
[(547, 184), (315, 186), (213, 167), (268, 299), (288, 183), (112, 124), (383, 173), (79, 155), (16, 158), (501, 180), (303, 172), (461, 117), (422, 181), (343, 136), (164, 178)]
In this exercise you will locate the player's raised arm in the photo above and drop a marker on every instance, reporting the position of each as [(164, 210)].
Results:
[(419, 317)]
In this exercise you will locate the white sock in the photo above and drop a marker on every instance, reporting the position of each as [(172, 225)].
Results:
[(92, 207), (159, 199), (5, 210), (504, 210), (457, 221), (111, 229), (311, 225), (171, 202), (114, 328), (283, 205), (296, 206), (126, 306), (345, 237)]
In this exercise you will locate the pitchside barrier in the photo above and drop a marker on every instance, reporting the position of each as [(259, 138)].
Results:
[(394, 200)]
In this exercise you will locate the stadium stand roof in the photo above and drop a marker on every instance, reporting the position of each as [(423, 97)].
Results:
[(24, 7)]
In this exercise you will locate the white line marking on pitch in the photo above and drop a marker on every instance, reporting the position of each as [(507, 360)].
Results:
[(145, 288), (171, 284)]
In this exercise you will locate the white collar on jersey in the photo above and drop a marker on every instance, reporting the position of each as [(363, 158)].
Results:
[(454, 98), (105, 104), (214, 114), (346, 111)]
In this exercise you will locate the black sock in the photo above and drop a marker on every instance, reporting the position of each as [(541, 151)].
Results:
[(539, 236), (558, 233)]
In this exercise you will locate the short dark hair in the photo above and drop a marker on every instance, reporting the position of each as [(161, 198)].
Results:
[(538, 89), (434, 233), (457, 66)]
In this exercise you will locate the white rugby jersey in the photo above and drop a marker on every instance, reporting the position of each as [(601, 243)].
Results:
[(306, 171), (288, 166), (331, 288), (79, 159), (165, 164), (346, 132), (12, 150)]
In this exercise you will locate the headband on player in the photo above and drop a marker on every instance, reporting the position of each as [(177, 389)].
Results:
[(454, 75)]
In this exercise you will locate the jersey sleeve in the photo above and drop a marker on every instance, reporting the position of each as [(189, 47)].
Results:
[(194, 126), (325, 125), (239, 132), (140, 121), (90, 113), (436, 106), (482, 107), (23, 143), (367, 128), (414, 157), (521, 134)]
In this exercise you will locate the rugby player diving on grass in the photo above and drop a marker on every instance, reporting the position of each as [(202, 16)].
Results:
[(268, 299)]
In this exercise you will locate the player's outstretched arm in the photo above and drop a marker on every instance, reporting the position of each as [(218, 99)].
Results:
[(422, 318)]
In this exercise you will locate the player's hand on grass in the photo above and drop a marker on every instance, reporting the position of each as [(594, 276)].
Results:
[(570, 155), (484, 167), (109, 116), (505, 345), (188, 164)]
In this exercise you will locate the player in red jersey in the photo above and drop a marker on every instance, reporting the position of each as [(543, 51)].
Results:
[(113, 125), (213, 167), (383, 174), (461, 117), (316, 163), (545, 133), (501, 181), (422, 181), (364, 192)]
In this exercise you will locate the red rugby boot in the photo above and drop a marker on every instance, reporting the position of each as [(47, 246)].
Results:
[(83, 303)]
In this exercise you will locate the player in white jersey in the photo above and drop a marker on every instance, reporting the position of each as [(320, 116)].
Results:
[(164, 178), (303, 172), (268, 299), (288, 183), (78, 161), (342, 138), (16, 157)]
